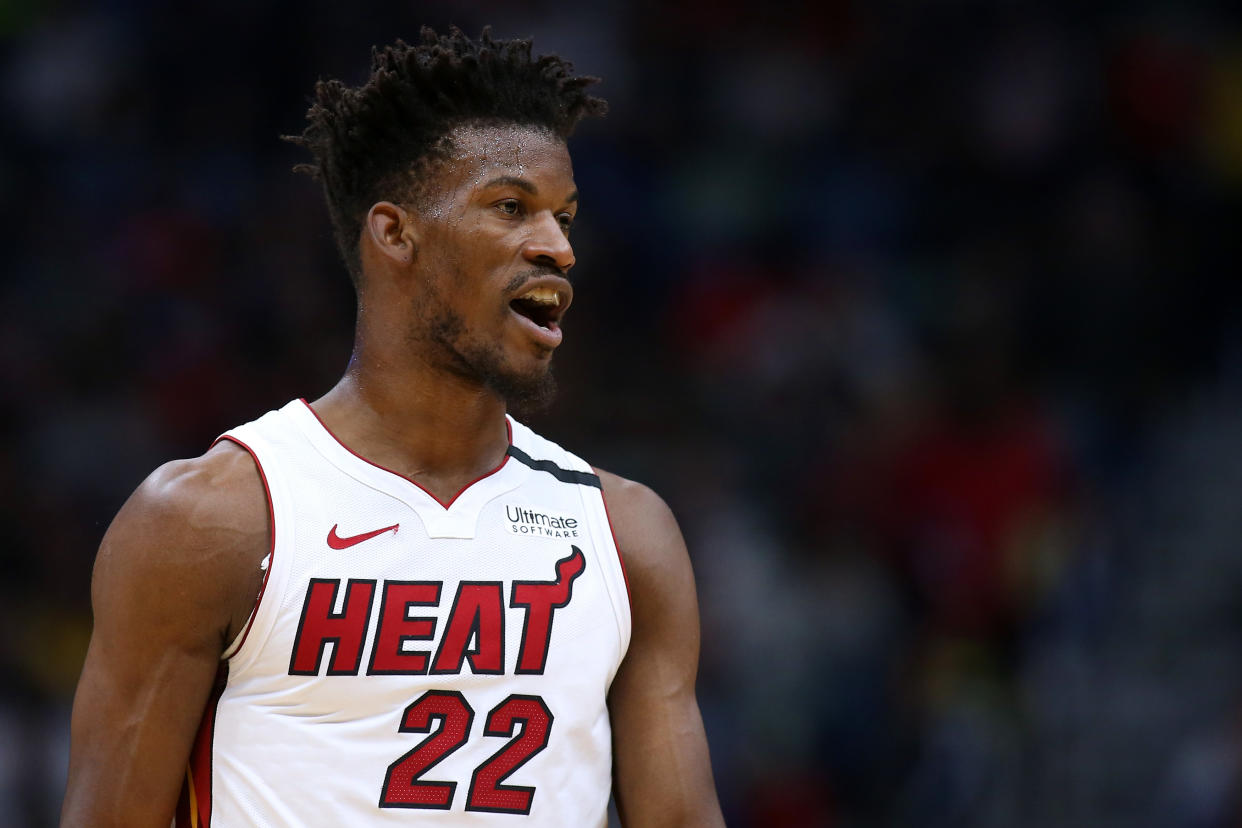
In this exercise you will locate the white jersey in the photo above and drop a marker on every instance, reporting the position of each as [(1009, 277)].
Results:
[(412, 662)]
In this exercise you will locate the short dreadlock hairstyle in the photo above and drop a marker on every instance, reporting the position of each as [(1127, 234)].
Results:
[(372, 142)]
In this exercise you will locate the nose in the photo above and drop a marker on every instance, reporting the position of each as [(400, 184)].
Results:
[(548, 244)]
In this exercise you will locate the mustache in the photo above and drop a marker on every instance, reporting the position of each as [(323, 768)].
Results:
[(525, 276)]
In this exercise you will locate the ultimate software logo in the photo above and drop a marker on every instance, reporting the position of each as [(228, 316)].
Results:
[(523, 521)]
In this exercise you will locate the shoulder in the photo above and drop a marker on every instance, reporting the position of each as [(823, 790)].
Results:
[(218, 493), (640, 517), (196, 528), (649, 541)]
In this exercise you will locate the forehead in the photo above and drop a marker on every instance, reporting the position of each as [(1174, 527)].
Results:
[(479, 154)]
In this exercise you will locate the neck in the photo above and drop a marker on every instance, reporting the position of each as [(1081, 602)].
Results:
[(433, 427)]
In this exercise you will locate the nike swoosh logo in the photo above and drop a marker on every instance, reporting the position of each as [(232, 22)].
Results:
[(337, 542)]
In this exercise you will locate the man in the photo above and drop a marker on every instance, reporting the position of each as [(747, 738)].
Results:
[(443, 621)]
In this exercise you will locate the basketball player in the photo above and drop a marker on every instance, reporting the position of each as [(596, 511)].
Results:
[(396, 605)]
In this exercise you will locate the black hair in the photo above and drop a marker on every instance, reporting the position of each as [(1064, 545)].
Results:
[(370, 143)]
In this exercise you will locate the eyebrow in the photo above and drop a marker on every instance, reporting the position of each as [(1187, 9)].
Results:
[(524, 185)]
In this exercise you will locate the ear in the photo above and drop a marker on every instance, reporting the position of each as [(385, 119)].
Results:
[(392, 232)]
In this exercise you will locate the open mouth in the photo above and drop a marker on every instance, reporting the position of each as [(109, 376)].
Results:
[(541, 305)]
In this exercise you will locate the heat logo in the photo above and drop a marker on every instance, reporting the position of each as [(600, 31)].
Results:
[(540, 524)]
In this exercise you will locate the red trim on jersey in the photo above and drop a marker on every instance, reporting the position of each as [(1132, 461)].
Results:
[(453, 499), (271, 552), (194, 806), (624, 575)]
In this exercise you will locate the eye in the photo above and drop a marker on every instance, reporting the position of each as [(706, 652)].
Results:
[(510, 206), (566, 220)]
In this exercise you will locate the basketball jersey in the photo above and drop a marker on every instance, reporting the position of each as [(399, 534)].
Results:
[(411, 662)]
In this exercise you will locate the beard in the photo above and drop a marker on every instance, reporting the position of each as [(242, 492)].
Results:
[(477, 360)]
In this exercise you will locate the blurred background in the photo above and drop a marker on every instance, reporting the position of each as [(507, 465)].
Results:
[(919, 314)]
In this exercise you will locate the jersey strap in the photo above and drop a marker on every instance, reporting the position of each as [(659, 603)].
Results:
[(564, 475)]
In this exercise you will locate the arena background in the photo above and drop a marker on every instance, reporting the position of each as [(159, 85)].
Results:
[(923, 316)]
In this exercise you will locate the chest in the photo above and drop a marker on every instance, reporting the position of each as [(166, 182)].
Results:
[(376, 596)]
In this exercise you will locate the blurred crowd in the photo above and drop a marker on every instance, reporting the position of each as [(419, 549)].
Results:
[(919, 315)]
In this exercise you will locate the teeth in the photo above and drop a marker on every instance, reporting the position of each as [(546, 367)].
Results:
[(542, 296)]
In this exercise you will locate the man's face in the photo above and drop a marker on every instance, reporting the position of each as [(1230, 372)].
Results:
[(492, 256)]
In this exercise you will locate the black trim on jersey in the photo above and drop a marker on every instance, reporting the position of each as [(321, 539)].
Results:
[(563, 475)]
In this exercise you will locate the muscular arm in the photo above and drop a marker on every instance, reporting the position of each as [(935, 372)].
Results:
[(663, 773), (174, 581)]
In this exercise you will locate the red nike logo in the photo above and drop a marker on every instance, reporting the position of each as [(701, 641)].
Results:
[(337, 542)]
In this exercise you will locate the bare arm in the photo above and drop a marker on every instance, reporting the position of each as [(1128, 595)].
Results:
[(175, 579), (663, 772)]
